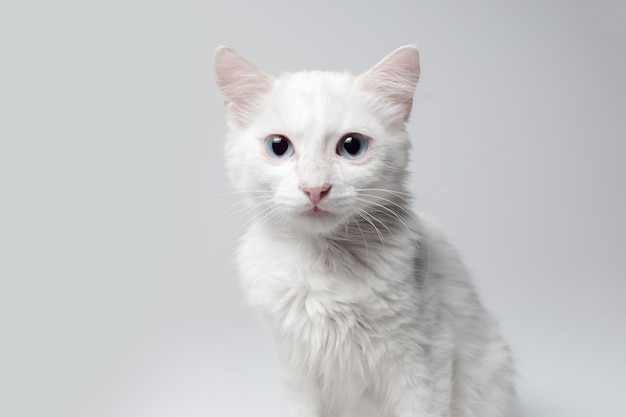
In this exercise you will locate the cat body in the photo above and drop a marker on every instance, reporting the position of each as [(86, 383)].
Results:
[(371, 310)]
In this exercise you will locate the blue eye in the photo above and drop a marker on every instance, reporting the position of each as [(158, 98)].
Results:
[(278, 147), (352, 146)]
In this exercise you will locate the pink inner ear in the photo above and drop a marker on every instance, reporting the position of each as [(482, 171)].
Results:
[(394, 79), (402, 64), (241, 83), (237, 78)]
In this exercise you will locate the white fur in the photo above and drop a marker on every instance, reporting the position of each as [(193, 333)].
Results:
[(372, 311)]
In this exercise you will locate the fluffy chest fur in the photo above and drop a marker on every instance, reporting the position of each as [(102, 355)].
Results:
[(331, 304)]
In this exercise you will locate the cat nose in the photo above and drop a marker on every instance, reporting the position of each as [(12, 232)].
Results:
[(315, 194)]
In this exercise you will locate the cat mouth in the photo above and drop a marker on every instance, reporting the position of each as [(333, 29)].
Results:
[(316, 213)]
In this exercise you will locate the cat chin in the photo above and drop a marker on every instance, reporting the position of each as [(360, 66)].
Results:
[(317, 221), (317, 213)]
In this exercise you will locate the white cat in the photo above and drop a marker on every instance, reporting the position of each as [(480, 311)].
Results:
[(372, 311)]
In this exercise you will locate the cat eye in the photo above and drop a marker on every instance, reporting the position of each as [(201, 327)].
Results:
[(278, 147), (352, 146)]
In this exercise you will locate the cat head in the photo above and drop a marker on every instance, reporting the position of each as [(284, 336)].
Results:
[(314, 150)]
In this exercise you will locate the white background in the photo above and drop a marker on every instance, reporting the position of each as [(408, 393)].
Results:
[(118, 294)]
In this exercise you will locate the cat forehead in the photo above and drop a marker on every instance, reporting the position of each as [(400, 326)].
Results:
[(316, 83), (316, 100)]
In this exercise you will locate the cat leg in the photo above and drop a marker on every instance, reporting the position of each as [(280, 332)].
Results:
[(416, 390), (498, 399), (487, 390)]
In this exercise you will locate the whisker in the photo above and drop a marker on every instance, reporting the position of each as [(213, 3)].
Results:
[(385, 190), (246, 201), (241, 218), (367, 256), (399, 194), (384, 242), (363, 215), (370, 215), (244, 210), (391, 202), (413, 237), (396, 215), (229, 193), (256, 217), (393, 213), (266, 219)]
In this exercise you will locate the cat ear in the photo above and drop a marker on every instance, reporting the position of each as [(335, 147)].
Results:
[(241, 83), (394, 79)]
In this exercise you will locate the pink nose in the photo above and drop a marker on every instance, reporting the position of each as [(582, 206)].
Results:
[(315, 194)]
